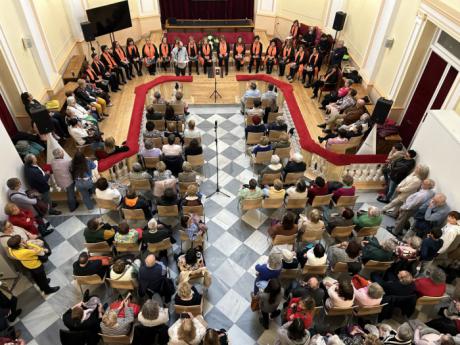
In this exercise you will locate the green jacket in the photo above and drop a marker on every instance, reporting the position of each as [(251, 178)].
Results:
[(374, 251), (364, 221)]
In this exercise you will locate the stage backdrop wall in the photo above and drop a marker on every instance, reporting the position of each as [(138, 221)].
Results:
[(205, 9)]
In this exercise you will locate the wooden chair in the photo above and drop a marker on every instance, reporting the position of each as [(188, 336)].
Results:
[(283, 152), (249, 102), (198, 210), (179, 109), (291, 273), (117, 284), (314, 270), (158, 142), (321, 200), (282, 239), (272, 117), (340, 267), (274, 136), (94, 280), (360, 311), (291, 178), (367, 231), (168, 211), (107, 204), (159, 125), (198, 241), (268, 179), (194, 309), (250, 204), (266, 102), (372, 265), (159, 108), (342, 231), (310, 236), (99, 248), (296, 203), (140, 184), (117, 339), (346, 201), (127, 248), (188, 140), (159, 246), (184, 185), (428, 300), (272, 203), (196, 160), (136, 214), (176, 140), (150, 162), (254, 138), (262, 157), (335, 311), (178, 126)]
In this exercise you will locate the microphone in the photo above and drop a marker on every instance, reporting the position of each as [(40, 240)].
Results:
[(215, 124)]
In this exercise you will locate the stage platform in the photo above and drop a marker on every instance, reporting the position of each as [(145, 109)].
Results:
[(209, 25)]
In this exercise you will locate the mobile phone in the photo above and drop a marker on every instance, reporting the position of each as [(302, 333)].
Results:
[(184, 316)]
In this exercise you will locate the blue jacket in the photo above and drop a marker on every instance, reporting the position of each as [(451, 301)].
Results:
[(36, 179)]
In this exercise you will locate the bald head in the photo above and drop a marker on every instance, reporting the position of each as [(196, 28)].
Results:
[(150, 260), (428, 184), (439, 199), (313, 283), (360, 102)]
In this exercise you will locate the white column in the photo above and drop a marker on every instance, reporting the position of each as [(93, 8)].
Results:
[(40, 48), (377, 43), (11, 62), (76, 14), (148, 7), (417, 30)]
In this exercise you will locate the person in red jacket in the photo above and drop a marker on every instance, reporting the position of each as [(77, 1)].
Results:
[(347, 188), (302, 309), (434, 285), (317, 188), (22, 218)]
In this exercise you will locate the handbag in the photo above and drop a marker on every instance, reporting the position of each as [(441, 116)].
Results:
[(309, 68), (255, 300)]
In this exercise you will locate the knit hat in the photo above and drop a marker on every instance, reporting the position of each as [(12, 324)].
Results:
[(152, 225), (288, 256)]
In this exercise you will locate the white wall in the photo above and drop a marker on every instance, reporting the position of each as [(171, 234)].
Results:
[(437, 144)]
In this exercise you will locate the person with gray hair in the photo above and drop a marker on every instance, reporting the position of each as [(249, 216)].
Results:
[(434, 285), (366, 219), (63, 177), (138, 173), (433, 213), (267, 271), (157, 99), (278, 125), (411, 205), (410, 185), (295, 164), (273, 168), (373, 250), (403, 336)]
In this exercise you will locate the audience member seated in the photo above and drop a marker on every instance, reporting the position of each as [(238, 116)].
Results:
[(149, 150), (187, 330), (169, 198), (317, 188), (193, 149), (152, 314), (311, 223), (431, 214), (427, 335), (126, 235), (341, 138), (133, 201), (341, 293), (346, 102), (334, 96), (193, 226), (302, 309), (84, 136), (401, 285), (157, 99), (430, 245), (278, 125), (125, 269), (250, 191), (150, 131), (152, 275), (274, 167), (370, 218), (191, 197), (403, 335), (22, 218), (343, 252), (299, 191), (262, 146), (283, 142), (138, 173), (97, 231), (434, 285), (265, 272), (169, 113), (269, 300), (187, 174), (271, 95), (187, 295), (256, 127), (450, 231), (329, 78), (154, 232), (251, 92), (191, 131), (110, 148), (448, 322), (289, 259), (114, 324), (276, 191), (178, 99), (85, 266), (19, 196), (105, 192), (9, 230), (171, 129), (345, 188), (372, 250), (369, 296), (312, 255), (256, 110), (191, 260), (295, 164), (308, 288), (161, 173), (171, 149), (152, 115), (293, 333), (344, 219)]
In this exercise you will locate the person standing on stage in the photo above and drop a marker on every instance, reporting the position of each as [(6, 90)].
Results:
[(165, 53), (180, 58), (132, 52), (256, 54), (270, 56), (121, 59), (286, 56), (192, 51), (224, 50), (111, 65), (206, 55), (150, 55), (239, 51), (294, 32)]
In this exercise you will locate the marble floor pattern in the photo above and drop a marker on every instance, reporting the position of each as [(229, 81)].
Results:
[(232, 250)]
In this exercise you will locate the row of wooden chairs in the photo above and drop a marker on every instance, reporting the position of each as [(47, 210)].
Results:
[(249, 102), (196, 161), (342, 148), (161, 125), (253, 138), (179, 109), (264, 157)]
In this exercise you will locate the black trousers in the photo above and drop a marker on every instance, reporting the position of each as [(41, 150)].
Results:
[(293, 70), (224, 61), (113, 81), (257, 63), (190, 63), (164, 64), (306, 74), (206, 64), (39, 276), (270, 64), (119, 73), (152, 69), (238, 64), (138, 66), (316, 86), (281, 68), (179, 71), (128, 68)]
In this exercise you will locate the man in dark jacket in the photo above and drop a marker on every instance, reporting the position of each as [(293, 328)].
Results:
[(399, 170), (151, 276), (84, 267), (37, 179), (403, 285)]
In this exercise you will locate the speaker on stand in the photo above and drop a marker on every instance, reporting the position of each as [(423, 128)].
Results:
[(89, 33), (381, 110), (339, 21)]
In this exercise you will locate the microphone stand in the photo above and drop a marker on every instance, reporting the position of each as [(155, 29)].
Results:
[(217, 165)]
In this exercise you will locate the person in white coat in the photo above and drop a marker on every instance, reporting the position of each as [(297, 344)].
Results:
[(292, 333)]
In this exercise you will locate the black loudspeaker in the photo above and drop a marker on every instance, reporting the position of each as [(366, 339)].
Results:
[(339, 20), (381, 110), (88, 30), (41, 117), (172, 21)]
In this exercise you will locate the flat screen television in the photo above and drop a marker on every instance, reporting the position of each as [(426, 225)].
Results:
[(110, 18)]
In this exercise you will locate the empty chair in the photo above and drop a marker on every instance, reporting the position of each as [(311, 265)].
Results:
[(250, 204), (93, 279), (346, 201), (99, 247), (292, 178), (321, 200), (254, 138)]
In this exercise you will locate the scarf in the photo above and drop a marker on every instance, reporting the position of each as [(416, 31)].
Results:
[(239, 48), (90, 71), (255, 48), (206, 49), (223, 48), (149, 50), (287, 52), (164, 49), (189, 48), (120, 53), (301, 57), (271, 51), (294, 30), (109, 59), (131, 48)]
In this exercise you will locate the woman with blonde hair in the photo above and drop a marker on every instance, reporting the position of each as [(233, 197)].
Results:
[(161, 173), (187, 330), (370, 295), (187, 294), (262, 146), (312, 222), (191, 131), (191, 197), (187, 174), (114, 324)]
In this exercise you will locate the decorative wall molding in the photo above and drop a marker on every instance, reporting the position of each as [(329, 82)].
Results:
[(148, 7), (11, 61)]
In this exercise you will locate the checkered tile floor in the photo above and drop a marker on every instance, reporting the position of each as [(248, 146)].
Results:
[(233, 248)]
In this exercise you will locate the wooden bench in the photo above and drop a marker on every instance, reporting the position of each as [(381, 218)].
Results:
[(61, 97), (73, 68)]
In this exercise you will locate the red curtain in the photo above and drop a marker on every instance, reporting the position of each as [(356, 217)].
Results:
[(217, 9), (6, 118)]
